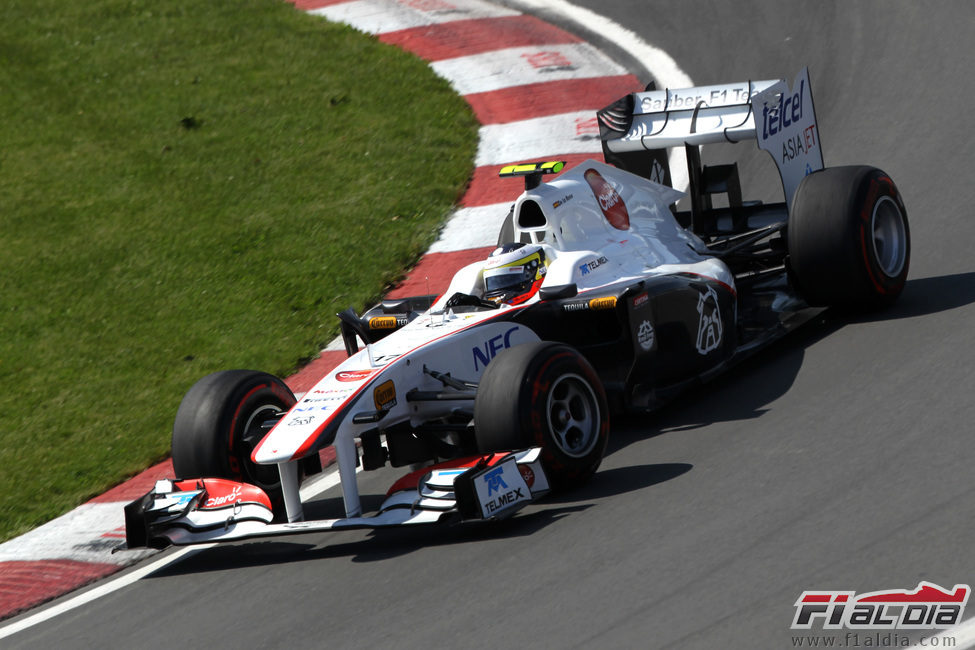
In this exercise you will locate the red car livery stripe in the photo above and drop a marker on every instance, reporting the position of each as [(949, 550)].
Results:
[(314, 440)]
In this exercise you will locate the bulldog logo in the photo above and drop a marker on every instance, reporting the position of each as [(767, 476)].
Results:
[(709, 327)]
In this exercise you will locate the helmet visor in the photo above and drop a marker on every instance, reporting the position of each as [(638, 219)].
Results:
[(506, 278)]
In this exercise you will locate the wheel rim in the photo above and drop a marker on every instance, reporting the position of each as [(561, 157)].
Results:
[(573, 415), (254, 432), (889, 236)]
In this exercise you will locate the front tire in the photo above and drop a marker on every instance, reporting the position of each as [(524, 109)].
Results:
[(220, 421), (849, 240), (544, 395)]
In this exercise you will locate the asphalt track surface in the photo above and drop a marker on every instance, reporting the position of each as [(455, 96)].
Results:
[(839, 459)]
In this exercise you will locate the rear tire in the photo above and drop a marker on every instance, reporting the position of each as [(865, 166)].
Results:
[(849, 240), (544, 395), (220, 421)]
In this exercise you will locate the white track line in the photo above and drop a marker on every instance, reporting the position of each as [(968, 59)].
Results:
[(309, 491), (101, 590), (663, 67), (377, 16)]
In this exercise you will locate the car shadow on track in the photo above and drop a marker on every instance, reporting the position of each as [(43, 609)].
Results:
[(741, 393), (744, 391), (614, 482), (364, 546), (385, 544), (926, 296)]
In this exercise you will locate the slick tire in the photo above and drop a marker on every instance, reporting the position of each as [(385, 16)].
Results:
[(220, 421), (544, 395), (849, 241)]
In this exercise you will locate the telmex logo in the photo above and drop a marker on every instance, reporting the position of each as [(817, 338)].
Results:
[(495, 480), (593, 264), (353, 375), (928, 606)]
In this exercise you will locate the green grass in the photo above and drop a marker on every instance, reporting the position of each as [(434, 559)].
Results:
[(188, 186)]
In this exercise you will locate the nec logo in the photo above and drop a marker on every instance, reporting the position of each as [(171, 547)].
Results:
[(484, 353)]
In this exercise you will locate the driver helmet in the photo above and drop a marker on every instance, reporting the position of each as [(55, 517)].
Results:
[(514, 272)]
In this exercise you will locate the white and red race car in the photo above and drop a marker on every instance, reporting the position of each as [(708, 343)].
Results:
[(600, 297)]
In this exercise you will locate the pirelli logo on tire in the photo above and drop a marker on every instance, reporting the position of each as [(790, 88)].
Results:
[(384, 396)]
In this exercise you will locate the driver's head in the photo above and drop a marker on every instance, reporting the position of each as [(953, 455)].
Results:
[(514, 272)]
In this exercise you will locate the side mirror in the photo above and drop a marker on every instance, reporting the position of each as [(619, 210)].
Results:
[(557, 292)]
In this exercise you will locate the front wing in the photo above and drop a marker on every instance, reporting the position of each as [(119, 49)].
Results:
[(198, 511)]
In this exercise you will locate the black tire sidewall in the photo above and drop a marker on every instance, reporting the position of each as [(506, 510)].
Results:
[(511, 411), (211, 422), (830, 240), (562, 468)]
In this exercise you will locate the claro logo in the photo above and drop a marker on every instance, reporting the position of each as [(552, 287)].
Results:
[(354, 375), (216, 501), (610, 202), (490, 348)]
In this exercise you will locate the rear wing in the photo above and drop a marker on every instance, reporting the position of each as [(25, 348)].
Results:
[(780, 119)]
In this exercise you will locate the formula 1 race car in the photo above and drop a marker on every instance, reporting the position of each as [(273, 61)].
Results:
[(600, 296)]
